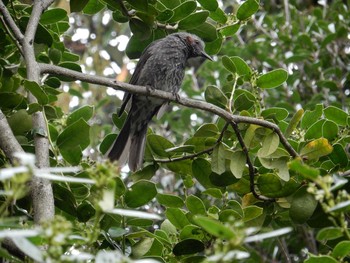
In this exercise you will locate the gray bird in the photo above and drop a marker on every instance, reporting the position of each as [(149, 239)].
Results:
[(161, 66)]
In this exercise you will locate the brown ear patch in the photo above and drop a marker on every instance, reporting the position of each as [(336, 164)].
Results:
[(189, 40)]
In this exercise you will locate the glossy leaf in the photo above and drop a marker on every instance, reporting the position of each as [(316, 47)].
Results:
[(215, 96), (272, 79), (183, 10), (238, 163), (214, 227), (247, 9), (168, 200), (53, 15), (195, 205), (316, 149), (337, 115), (228, 64), (242, 67), (85, 112), (177, 217), (294, 122), (201, 170), (194, 20), (303, 169), (140, 193), (270, 185), (159, 145), (210, 5), (218, 159), (329, 233), (342, 249), (269, 145), (188, 246), (77, 5)]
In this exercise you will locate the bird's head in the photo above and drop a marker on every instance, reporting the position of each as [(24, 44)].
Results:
[(195, 45)]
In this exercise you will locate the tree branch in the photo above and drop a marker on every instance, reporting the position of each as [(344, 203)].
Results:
[(10, 23), (202, 105), (250, 165), (8, 142), (41, 190)]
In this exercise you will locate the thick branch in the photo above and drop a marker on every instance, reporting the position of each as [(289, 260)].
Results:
[(202, 105), (42, 195), (8, 142)]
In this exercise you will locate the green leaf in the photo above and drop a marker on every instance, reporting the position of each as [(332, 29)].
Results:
[(93, 7), (302, 206), (77, 5), (337, 115), (188, 246), (294, 122), (55, 55), (214, 227), (73, 140), (219, 16), (342, 249), (201, 170), (269, 145), (310, 117), (210, 5), (320, 259), (238, 163), (207, 130), (274, 113), (272, 79), (168, 200), (119, 17), (316, 149), (251, 212), (303, 169), (214, 47), (181, 149), (228, 64), (215, 96), (243, 100), (195, 205), (183, 10), (242, 67), (205, 31), (140, 193), (342, 206), (230, 30), (247, 9), (42, 35), (222, 180), (136, 46), (193, 20), (159, 145), (329, 233), (85, 211), (53, 15), (139, 5), (177, 217), (85, 112), (192, 231), (165, 15), (140, 29), (270, 185), (339, 156), (218, 159)]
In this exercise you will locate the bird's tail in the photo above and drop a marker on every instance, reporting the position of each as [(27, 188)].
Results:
[(129, 146)]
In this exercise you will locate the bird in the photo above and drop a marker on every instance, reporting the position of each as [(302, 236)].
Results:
[(162, 67)]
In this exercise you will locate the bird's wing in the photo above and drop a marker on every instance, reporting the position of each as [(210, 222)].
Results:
[(146, 54)]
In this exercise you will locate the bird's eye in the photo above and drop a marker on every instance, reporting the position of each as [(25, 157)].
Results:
[(197, 42)]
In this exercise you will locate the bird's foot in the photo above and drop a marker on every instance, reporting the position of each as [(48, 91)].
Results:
[(177, 96)]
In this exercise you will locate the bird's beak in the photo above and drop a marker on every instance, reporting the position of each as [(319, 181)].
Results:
[(205, 55)]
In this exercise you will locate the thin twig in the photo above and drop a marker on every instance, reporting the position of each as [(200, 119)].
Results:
[(191, 156), (250, 165)]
